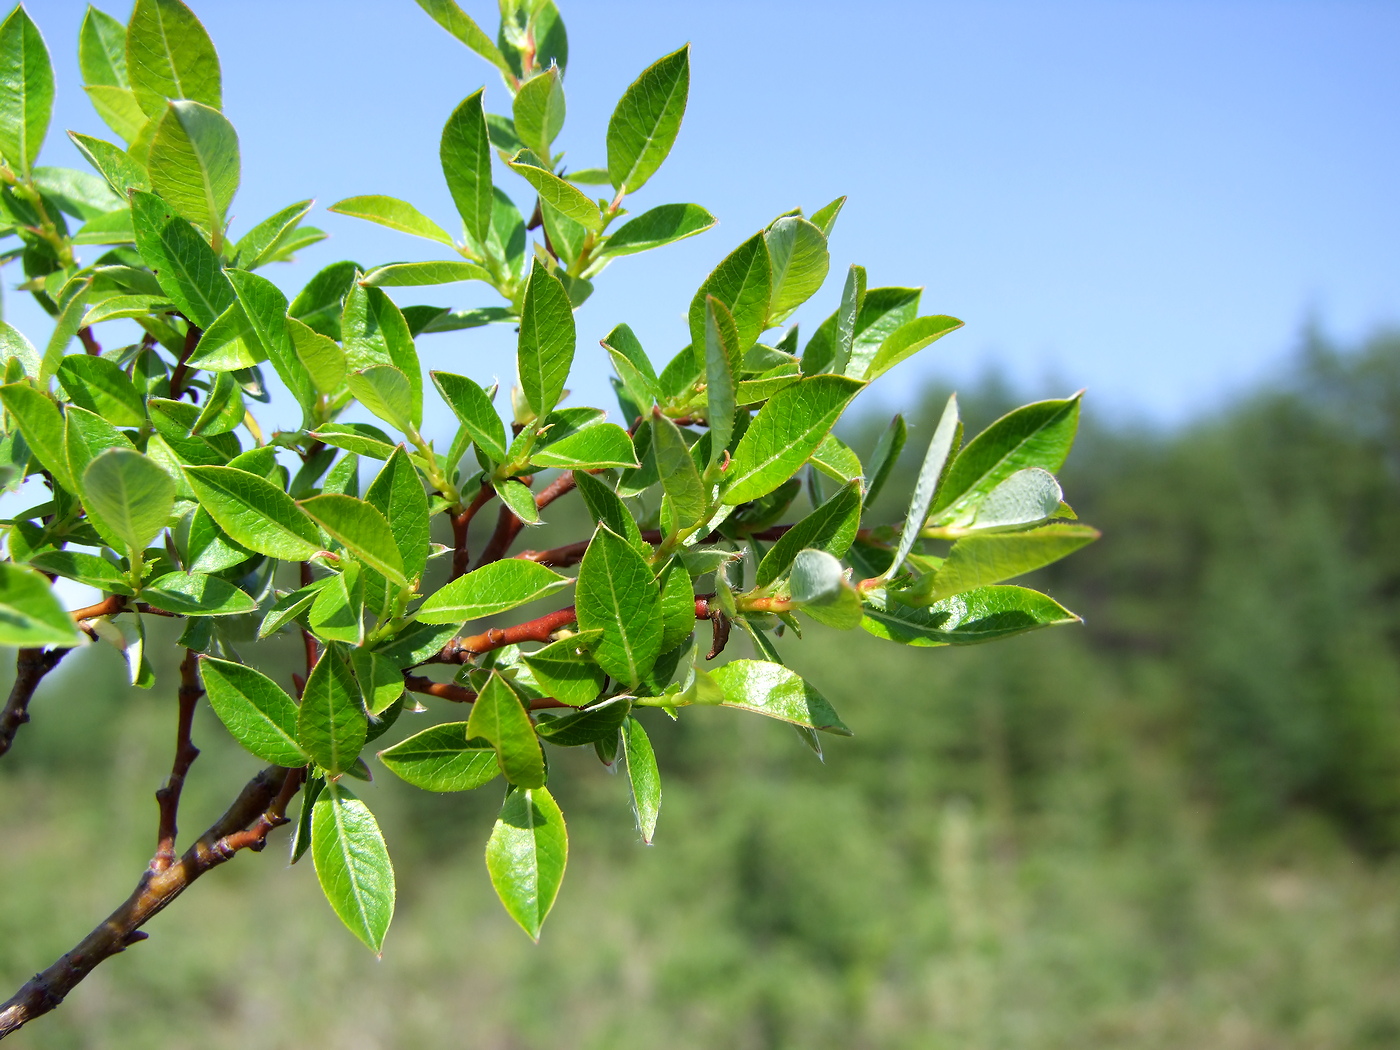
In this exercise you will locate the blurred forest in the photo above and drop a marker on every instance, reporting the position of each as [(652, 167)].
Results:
[(1175, 826)]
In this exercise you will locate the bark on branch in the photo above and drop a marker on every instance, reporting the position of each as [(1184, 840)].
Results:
[(30, 667)]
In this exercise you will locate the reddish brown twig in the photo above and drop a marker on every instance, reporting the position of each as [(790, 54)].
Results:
[(459, 694), (30, 667), (89, 341), (508, 525), (259, 808), (540, 629), (460, 524), (168, 797), (109, 606), (182, 368)]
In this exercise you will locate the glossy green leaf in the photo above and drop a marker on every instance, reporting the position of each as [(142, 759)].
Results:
[(331, 723), (940, 446), (393, 213), (977, 561), (907, 340), (539, 111), (847, 317), (222, 410), (130, 494), (113, 163), (414, 275), (657, 227), (361, 529), (607, 508), (319, 355), (290, 606), (441, 759), (799, 261), (680, 479), (100, 385), (520, 500), (254, 512), (645, 123), (465, 152), (564, 196), (363, 439), (1028, 496), (586, 727), (185, 265), (723, 365), (14, 345), (119, 110), (493, 588), (645, 777), (374, 332), (397, 493), (389, 394), (352, 864), (885, 456), (87, 435), (526, 856), (451, 17), (85, 568), (102, 50), (337, 612), (677, 605), (590, 448), (565, 670), (819, 586), (499, 717), (381, 683), (547, 339), (41, 423), (831, 528), (786, 431), (618, 595), (259, 244), (321, 302), (771, 689), (834, 458), (194, 163), (824, 218), (30, 615), (197, 594), (255, 710), (981, 615), (742, 283), (26, 90), (170, 56), (883, 312), (473, 409)]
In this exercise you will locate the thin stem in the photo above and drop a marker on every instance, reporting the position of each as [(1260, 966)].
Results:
[(168, 797), (30, 667), (540, 629), (458, 694), (89, 341), (177, 377), (461, 523)]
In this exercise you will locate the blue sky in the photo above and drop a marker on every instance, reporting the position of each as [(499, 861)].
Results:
[(1143, 198)]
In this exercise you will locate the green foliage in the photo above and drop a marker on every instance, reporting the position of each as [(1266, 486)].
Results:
[(153, 458)]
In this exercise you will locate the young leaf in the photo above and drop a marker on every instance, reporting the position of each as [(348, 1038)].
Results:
[(193, 163), (526, 856), (499, 717), (520, 500), (589, 448), (393, 213), (679, 477), (646, 121), (980, 615), (883, 311), (331, 723), (607, 508), (254, 512), (102, 50), (129, 494), (907, 340), (1029, 495), (786, 431), (472, 407), (41, 423), (494, 588), (677, 605), (723, 365), (114, 164), (85, 568), (824, 218), (441, 759), (465, 152), (564, 196), (388, 393), (565, 670), (259, 244), (255, 710), (547, 339), (657, 227), (742, 283), (362, 439), (352, 864), (30, 615), (819, 586), (834, 458), (197, 594), (290, 606), (170, 56), (187, 268), (886, 454), (26, 90), (645, 777), (374, 332), (772, 690), (945, 435), (831, 528), (398, 493), (847, 317), (416, 275), (100, 385), (799, 261), (539, 111), (618, 595), (361, 529), (977, 561)]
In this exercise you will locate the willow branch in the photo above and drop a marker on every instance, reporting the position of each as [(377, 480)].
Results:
[(260, 807), (508, 524), (460, 524), (540, 629), (168, 797), (30, 667), (459, 694)]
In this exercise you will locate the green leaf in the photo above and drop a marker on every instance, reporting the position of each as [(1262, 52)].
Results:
[(657, 227), (102, 50), (381, 683), (907, 340), (578, 728), (945, 437), (320, 304), (255, 710), (883, 311), (388, 393), (259, 244), (73, 306), (539, 111), (831, 528), (499, 717), (520, 500), (1038, 435), (799, 261), (85, 568), (129, 494), (26, 90), (197, 594), (646, 121), (465, 152), (786, 431), (981, 615), (677, 605), (30, 615), (85, 436), (885, 456), (414, 275), (41, 423), (290, 606), (835, 459), (337, 611), (194, 164), (451, 17), (645, 777), (547, 339), (14, 345), (526, 856), (493, 588), (820, 587), (393, 213), (679, 477), (607, 508), (319, 355), (824, 218), (361, 529), (352, 864), (375, 333), (590, 448), (100, 385), (564, 196), (742, 283), (331, 723), (977, 561), (847, 317), (723, 365), (184, 264), (1029, 495), (565, 670), (473, 408), (119, 110), (222, 410), (441, 759), (398, 493), (361, 438), (170, 56), (254, 512), (618, 595), (771, 689)]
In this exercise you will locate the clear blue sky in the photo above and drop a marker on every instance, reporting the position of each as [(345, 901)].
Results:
[(1143, 198)]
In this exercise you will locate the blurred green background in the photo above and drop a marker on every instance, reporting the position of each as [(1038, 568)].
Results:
[(1174, 826)]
